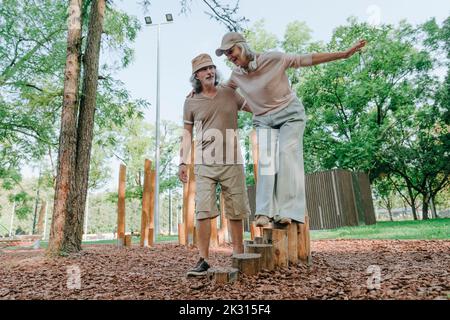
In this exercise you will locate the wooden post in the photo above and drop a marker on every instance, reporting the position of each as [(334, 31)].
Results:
[(255, 155), (247, 263), (292, 243), (280, 247), (304, 246), (150, 236), (151, 219), (127, 240), (214, 241), (146, 200), (121, 206), (266, 252), (190, 200), (255, 231), (181, 237)]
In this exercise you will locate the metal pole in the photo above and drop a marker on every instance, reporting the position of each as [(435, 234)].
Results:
[(156, 221), (12, 219)]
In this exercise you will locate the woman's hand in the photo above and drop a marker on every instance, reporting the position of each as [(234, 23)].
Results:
[(356, 48), (182, 173)]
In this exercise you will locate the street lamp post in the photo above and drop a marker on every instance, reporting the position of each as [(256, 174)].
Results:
[(148, 22)]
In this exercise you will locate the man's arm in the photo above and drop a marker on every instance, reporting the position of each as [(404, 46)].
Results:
[(185, 147)]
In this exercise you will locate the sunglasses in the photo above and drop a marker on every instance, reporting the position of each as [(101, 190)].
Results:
[(229, 51)]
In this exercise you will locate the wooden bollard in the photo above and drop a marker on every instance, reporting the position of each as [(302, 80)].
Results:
[(247, 263), (150, 234), (292, 243), (304, 249), (127, 241), (121, 206), (146, 200), (181, 234), (223, 275), (280, 247), (266, 252)]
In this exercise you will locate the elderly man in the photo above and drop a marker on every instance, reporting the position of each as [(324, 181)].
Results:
[(212, 110)]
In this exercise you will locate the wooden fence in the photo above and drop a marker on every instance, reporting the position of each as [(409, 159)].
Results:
[(334, 198)]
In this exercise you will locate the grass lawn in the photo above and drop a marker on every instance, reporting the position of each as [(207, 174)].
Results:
[(419, 230)]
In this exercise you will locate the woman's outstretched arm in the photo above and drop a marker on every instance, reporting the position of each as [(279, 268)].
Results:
[(318, 58)]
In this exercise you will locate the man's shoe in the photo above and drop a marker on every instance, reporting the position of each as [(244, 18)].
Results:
[(200, 269), (261, 221), (282, 220)]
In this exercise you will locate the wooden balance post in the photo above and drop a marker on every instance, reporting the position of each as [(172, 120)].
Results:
[(121, 207), (277, 245), (148, 205), (186, 230)]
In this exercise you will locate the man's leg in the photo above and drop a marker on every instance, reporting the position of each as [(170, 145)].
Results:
[(203, 236), (237, 237)]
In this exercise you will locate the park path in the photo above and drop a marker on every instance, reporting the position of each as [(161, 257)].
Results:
[(342, 269)]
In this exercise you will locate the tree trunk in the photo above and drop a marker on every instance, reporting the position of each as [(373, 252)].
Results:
[(426, 198), (40, 223), (389, 209), (65, 178), (74, 228), (412, 201)]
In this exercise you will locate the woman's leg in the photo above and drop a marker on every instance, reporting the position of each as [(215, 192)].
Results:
[(266, 201), (291, 176)]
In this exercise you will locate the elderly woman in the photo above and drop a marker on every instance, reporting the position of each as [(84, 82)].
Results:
[(279, 118)]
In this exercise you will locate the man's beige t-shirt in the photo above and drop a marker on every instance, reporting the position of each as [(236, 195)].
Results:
[(215, 126), (267, 88)]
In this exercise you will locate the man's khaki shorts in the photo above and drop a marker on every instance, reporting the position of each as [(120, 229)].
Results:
[(232, 181)]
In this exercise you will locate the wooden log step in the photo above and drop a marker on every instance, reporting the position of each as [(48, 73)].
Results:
[(223, 274), (258, 240), (247, 263), (280, 247), (266, 252)]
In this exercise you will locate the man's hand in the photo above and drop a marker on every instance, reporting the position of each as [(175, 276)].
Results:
[(182, 173), (357, 47)]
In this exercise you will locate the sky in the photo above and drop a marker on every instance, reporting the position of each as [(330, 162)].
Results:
[(195, 33)]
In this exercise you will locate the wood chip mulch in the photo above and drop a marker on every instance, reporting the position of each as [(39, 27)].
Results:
[(341, 269)]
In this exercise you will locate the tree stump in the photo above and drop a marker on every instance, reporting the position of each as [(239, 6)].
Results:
[(292, 243), (247, 263), (280, 247), (266, 252), (304, 249), (223, 274)]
